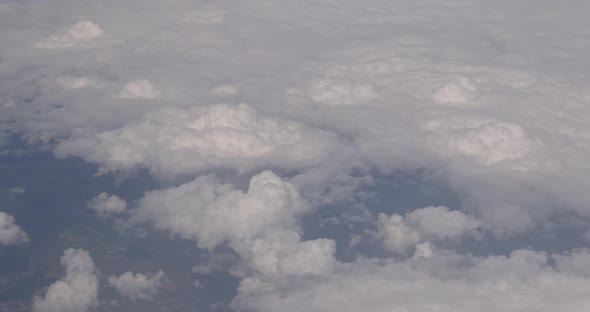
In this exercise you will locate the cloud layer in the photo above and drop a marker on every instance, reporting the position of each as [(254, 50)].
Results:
[(523, 281), (315, 103), (174, 142)]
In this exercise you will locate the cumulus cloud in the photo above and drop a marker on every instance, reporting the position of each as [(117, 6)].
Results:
[(334, 93), (141, 89), (77, 291), (259, 224), (487, 142), (137, 286), (10, 232), (107, 205), (173, 142), (337, 98), (521, 282), (457, 91), (402, 233)]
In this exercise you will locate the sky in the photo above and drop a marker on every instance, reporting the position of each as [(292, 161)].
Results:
[(312, 155)]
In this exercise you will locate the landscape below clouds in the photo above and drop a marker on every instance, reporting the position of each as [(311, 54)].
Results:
[(294, 155)]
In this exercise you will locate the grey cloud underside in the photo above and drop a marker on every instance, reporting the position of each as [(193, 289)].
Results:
[(310, 101)]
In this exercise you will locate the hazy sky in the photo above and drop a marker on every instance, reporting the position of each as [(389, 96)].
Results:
[(271, 155)]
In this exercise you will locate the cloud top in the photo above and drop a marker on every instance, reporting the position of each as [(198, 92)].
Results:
[(10, 232), (77, 291), (175, 142), (138, 286)]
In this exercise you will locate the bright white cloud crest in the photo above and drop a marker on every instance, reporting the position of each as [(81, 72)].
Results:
[(260, 224), (173, 142)]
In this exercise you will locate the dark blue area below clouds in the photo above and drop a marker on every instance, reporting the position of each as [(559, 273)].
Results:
[(53, 212)]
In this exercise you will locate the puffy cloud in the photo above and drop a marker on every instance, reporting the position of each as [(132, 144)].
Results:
[(483, 103), (77, 291), (259, 224), (105, 205), (174, 142), (78, 33), (523, 281), (457, 91), (138, 286), (528, 127), (487, 142), (334, 93), (10, 232), (402, 233), (142, 89)]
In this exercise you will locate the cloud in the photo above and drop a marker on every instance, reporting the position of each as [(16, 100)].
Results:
[(487, 142), (457, 91), (78, 33), (334, 93), (138, 286), (523, 281), (105, 205), (261, 224), (77, 291), (174, 142), (402, 233), (142, 89), (10, 232), (74, 82), (337, 99)]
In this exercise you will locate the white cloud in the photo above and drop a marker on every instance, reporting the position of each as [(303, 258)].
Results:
[(403, 233), (107, 205), (487, 142), (524, 281), (179, 142), (527, 126), (224, 90), (77, 291), (10, 232), (139, 89), (259, 224), (74, 82), (577, 262), (335, 93), (78, 33), (138, 286), (337, 97), (457, 91)]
